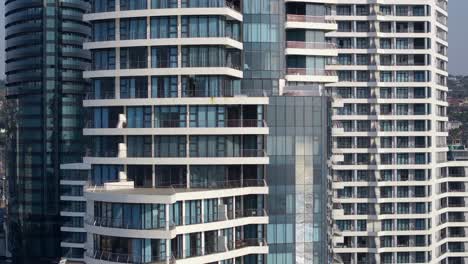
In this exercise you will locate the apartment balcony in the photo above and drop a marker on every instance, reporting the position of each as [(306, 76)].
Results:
[(311, 48), (127, 192), (120, 155), (182, 127), (169, 230), (310, 75), (205, 254), (310, 22), (229, 9), (231, 70)]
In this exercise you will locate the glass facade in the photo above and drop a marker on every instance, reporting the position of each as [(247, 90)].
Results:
[(298, 148), (44, 66)]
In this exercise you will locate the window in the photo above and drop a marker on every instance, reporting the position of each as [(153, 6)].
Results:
[(164, 87), (139, 146), (362, 76), (132, 28), (208, 86), (363, 59), (345, 76), (103, 117), (402, 76), (134, 58), (386, 60), (345, 59), (170, 116), (134, 87), (344, 43), (362, 26), (208, 116), (156, 4), (102, 88), (103, 6), (170, 146), (204, 3), (386, 76), (362, 43), (209, 56), (387, 225), (104, 59), (385, 10), (163, 27), (207, 26), (386, 92), (132, 4), (215, 146), (164, 57), (103, 30), (344, 26), (139, 117), (343, 10), (362, 10), (402, 158), (402, 43)]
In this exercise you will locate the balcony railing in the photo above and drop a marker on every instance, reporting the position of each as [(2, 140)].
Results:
[(309, 45), (122, 223), (305, 71), (127, 258), (305, 18)]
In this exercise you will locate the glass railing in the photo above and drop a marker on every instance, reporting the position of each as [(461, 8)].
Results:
[(306, 18), (309, 45), (127, 257)]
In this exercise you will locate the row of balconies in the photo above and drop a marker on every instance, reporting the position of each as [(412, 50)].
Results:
[(123, 123), (384, 94), (122, 151), (163, 224), (389, 44), (350, 209), (384, 10), (399, 241), (366, 27), (371, 177), (189, 253), (372, 144), (370, 193)]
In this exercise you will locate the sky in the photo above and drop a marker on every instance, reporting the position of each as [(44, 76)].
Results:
[(458, 38)]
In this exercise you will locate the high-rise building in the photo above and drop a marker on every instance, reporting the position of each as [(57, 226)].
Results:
[(389, 130), (183, 96), (44, 65)]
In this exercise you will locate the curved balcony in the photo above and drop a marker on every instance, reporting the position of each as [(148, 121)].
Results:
[(153, 42), (168, 229), (205, 254), (228, 70), (183, 11), (126, 192)]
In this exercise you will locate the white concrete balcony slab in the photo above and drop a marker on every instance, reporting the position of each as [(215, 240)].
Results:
[(217, 11), (232, 100), (219, 41), (229, 71), (125, 192), (111, 227)]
